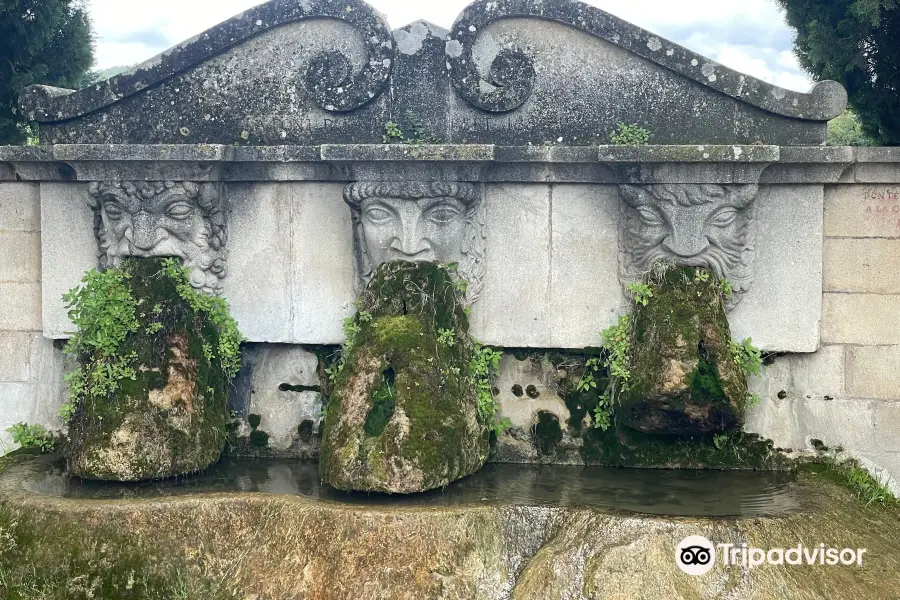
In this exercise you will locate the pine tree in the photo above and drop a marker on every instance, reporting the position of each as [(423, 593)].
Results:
[(41, 41), (855, 42)]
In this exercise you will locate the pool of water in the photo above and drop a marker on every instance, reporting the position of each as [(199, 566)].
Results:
[(649, 491)]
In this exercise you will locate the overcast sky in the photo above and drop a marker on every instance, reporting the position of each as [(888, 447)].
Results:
[(747, 35)]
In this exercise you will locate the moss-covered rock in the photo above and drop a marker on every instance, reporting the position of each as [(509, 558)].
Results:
[(168, 416), (403, 416), (684, 379)]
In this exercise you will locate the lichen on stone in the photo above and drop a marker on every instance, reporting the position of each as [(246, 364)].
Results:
[(164, 410), (403, 415)]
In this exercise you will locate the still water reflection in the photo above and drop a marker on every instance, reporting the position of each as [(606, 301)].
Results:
[(652, 491)]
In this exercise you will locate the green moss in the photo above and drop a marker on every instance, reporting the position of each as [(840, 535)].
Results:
[(173, 335), (258, 438), (624, 447), (546, 433), (384, 399)]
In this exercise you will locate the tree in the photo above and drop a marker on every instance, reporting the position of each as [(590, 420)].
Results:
[(846, 130), (855, 42), (41, 41)]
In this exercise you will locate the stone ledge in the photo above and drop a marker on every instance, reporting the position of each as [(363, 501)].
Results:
[(688, 154)]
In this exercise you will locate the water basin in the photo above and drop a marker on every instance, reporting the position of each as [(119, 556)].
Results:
[(647, 491)]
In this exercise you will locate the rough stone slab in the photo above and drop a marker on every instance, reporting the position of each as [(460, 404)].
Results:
[(546, 154), (862, 211), (887, 424), (817, 154), (20, 256), (783, 308), (689, 154), (514, 309), (21, 304), (15, 355), (865, 319), (862, 265), (281, 410), (20, 207), (792, 422), (16, 405), (68, 249), (322, 272), (258, 283), (875, 173), (815, 375), (405, 152), (529, 375), (585, 294), (877, 154), (874, 372)]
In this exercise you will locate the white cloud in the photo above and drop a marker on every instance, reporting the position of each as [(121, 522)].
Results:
[(133, 31)]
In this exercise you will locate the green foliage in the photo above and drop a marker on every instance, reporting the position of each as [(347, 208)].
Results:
[(747, 356), (446, 337), (67, 411), (847, 130), (392, 133), (856, 43), (725, 288), (484, 364), (230, 338), (410, 131), (641, 292), (47, 42), (618, 347), (104, 313), (32, 436), (867, 488), (629, 135)]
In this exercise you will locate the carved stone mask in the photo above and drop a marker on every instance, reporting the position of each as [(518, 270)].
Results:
[(155, 219), (434, 222), (692, 225)]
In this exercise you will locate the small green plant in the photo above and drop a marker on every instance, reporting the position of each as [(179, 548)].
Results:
[(753, 399), (616, 343), (725, 288), (483, 365), (603, 413), (32, 436), (392, 133), (446, 337), (701, 275), (416, 128), (641, 292), (67, 411), (629, 135), (747, 356), (867, 488)]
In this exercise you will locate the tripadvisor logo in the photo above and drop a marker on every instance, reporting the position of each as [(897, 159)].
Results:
[(696, 555)]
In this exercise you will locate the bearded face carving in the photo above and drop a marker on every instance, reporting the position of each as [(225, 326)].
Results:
[(433, 222), (691, 225), (158, 219)]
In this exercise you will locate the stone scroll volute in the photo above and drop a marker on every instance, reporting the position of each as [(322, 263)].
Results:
[(185, 220), (418, 221), (699, 225)]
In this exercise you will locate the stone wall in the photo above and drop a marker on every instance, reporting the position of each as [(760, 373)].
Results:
[(31, 368), (848, 392)]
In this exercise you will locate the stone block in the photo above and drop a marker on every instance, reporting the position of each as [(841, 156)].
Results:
[(887, 427), (284, 390), (514, 309), (20, 256), (874, 372), (20, 207), (792, 422), (68, 249), (16, 403), (862, 211), (862, 265), (782, 310), (526, 388), (585, 294), (258, 283), (865, 319), (322, 271), (20, 306), (15, 355)]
